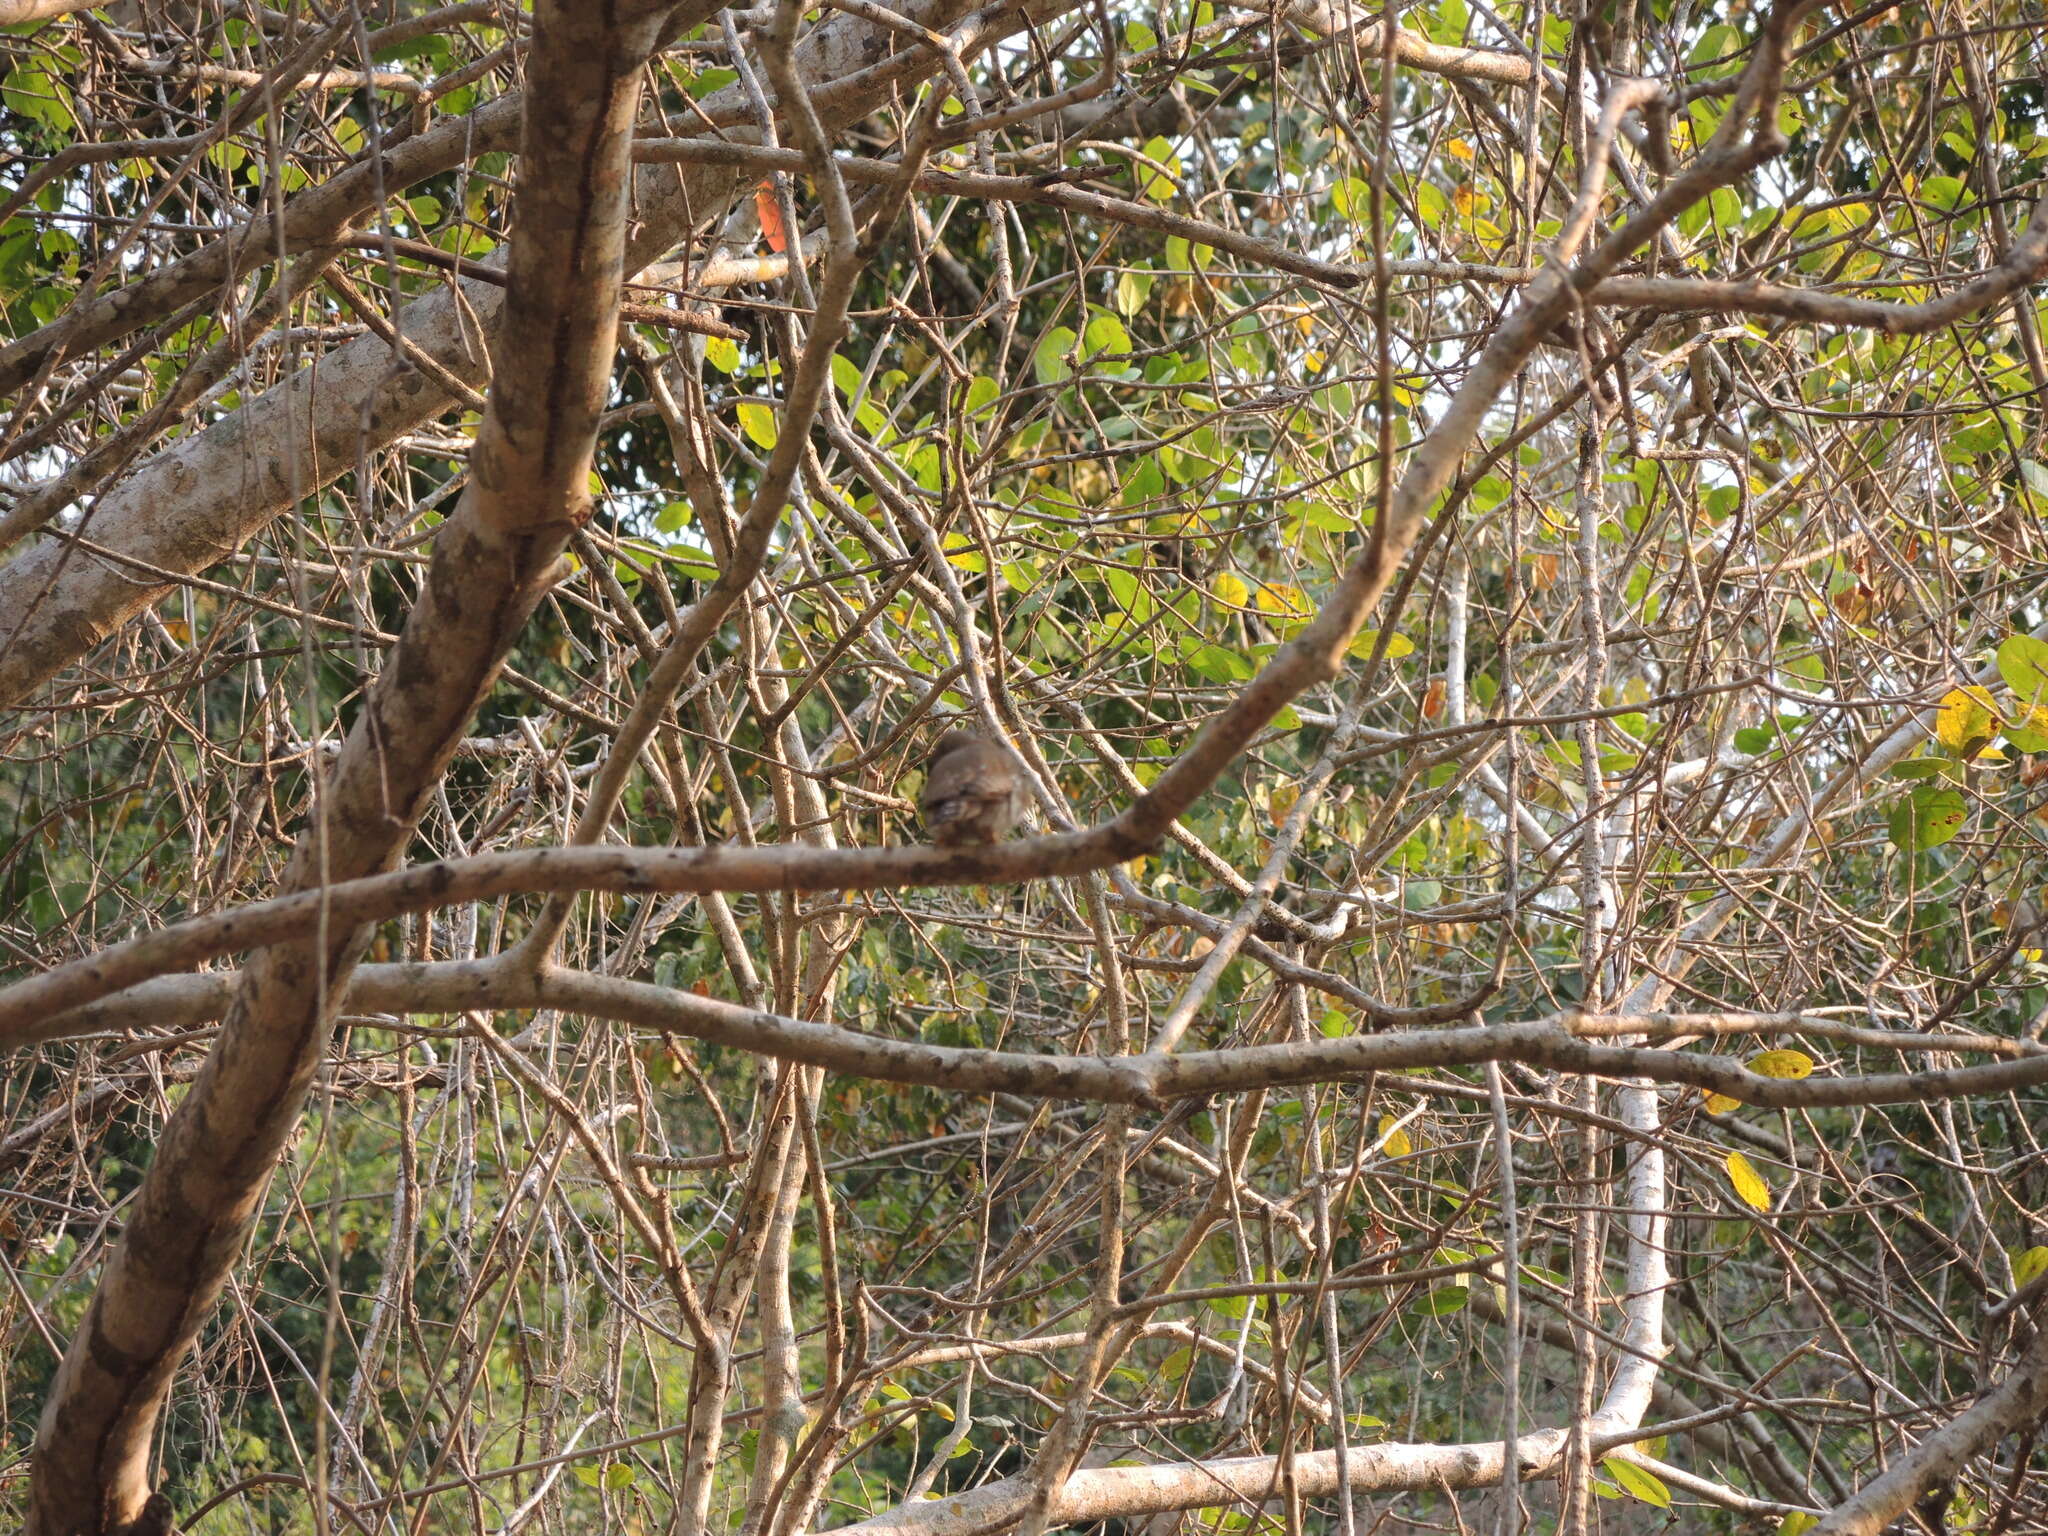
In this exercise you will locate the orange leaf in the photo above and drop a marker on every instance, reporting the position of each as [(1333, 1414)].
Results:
[(768, 208)]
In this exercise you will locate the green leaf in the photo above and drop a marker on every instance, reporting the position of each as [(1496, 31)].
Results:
[(1441, 1302), (1157, 185), (618, 1475), (227, 156), (31, 90), (1106, 333), (1351, 199), (2023, 664), (1927, 818), (1130, 596), (1367, 640), (1215, 663), (1183, 257), (2020, 739), (1132, 290), (1797, 1522), (1717, 44), (1639, 1483), (691, 564), (704, 82), (1049, 357), (1942, 192)]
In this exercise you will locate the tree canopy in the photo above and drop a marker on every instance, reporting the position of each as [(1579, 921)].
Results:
[(1500, 549)]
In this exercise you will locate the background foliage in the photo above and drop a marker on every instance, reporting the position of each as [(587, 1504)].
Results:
[(1699, 567)]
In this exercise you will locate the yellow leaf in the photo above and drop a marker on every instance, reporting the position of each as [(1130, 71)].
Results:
[(1393, 1138), (1721, 1104), (1789, 1065), (1230, 590), (1965, 724), (1749, 1184), (758, 421), (1366, 641), (723, 354), (1282, 600), (1458, 149), (2029, 1264)]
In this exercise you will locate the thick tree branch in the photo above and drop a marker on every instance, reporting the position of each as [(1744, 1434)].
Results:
[(1559, 1042), (2017, 1404), (491, 562)]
